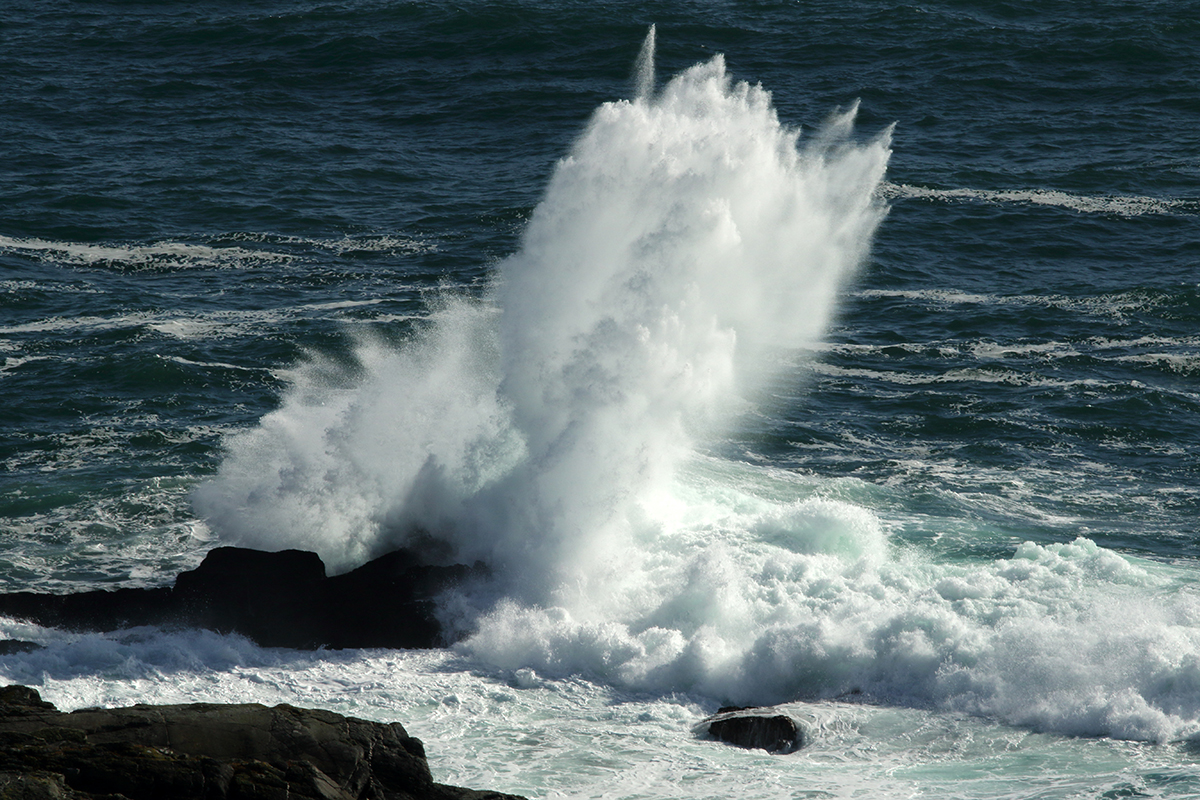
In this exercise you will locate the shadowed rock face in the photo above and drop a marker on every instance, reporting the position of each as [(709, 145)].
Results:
[(755, 728), (279, 599), (208, 751)]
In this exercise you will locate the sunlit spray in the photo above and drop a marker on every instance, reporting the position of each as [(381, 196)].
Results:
[(683, 234), (685, 230), (643, 70), (563, 426)]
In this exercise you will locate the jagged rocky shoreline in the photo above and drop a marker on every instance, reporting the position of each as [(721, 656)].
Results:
[(206, 751), (209, 752), (281, 599)]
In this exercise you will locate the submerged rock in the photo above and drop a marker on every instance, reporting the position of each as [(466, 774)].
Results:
[(279, 599), (761, 728), (209, 751)]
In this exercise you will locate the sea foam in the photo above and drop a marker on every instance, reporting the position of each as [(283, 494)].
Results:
[(556, 427), (685, 233)]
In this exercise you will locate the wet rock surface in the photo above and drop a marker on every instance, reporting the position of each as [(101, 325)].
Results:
[(209, 751), (281, 599), (761, 728)]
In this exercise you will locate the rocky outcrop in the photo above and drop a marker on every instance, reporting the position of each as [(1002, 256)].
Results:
[(209, 752), (279, 599), (761, 728)]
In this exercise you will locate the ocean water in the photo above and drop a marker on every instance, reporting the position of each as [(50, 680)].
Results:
[(836, 355)]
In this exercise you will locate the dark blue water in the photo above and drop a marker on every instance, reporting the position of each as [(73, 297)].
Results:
[(197, 199)]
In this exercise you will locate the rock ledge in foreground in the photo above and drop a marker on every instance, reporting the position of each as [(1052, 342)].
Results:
[(208, 752)]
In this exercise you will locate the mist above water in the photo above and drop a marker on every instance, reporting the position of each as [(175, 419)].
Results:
[(687, 231), (553, 429)]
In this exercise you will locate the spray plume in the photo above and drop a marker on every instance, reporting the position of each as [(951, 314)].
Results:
[(551, 428), (644, 69), (684, 233)]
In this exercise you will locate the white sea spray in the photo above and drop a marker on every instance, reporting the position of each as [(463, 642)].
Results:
[(685, 233), (551, 429)]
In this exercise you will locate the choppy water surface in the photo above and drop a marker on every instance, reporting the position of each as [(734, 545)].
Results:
[(847, 359)]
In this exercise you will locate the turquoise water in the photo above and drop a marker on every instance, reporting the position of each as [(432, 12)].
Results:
[(905, 407)]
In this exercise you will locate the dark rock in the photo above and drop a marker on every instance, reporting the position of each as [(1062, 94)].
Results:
[(43, 786), (21, 700), (396, 586), (273, 598), (756, 728), (96, 610), (208, 751), (279, 599), (10, 646)]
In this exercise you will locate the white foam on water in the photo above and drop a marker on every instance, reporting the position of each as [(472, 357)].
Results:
[(139, 256), (69, 530), (569, 737), (961, 375), (188, 328), (550, 428), (931, 296), (1116, 305), (180, 327), (807, 599), (16, 362), (1113, 205), (337, 305), (376, 243), (993, 350), (215, 325), (83, 324), (16, 287), (371, 242), (1033, 363), (212, 364), (1181, 363)]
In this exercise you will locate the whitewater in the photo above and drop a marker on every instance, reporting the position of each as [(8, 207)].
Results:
[(575, 424), (566, 427)]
